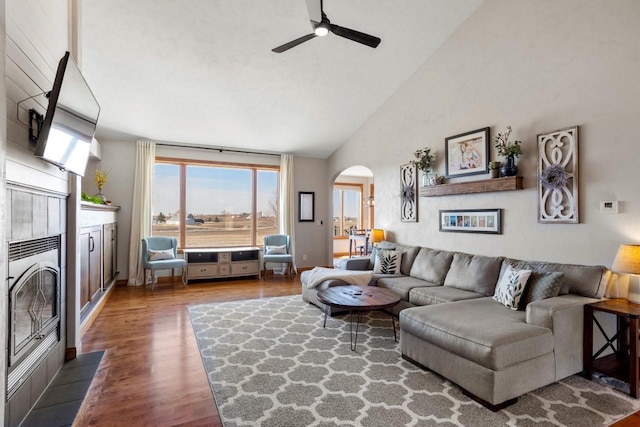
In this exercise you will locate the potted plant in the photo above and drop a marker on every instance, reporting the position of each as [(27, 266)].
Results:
[(101, 180), (494, 167), (425, 161), (509, 150)]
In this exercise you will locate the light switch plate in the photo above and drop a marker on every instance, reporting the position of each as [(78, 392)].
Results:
[(609, 207)]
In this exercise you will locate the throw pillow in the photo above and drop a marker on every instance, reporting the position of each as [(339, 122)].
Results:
[(542, 285), (511, 287), (276, 250), (160, 255), (387, 261)]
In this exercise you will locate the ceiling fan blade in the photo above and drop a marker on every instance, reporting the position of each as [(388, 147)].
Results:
[(293, 43), (356, 36), (315, 10)]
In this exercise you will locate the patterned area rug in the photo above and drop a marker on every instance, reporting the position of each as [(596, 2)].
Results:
[(270, 363)]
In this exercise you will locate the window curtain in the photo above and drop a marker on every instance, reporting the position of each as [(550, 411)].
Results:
[(141, 215), (287, 204)]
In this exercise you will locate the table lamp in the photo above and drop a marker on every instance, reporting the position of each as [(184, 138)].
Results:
[(377, 236), (628, 261)]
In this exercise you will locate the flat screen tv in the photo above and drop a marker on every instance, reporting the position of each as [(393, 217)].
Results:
[(70, 122)]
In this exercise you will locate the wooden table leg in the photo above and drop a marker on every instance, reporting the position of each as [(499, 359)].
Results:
[(633, 356), (587, 343)]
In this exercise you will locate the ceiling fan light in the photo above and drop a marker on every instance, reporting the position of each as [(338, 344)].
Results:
[(321, 30)]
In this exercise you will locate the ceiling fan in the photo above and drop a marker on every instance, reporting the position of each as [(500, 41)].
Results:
[(322, 26)]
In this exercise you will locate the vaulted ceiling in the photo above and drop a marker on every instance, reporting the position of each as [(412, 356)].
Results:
[(202, 72)]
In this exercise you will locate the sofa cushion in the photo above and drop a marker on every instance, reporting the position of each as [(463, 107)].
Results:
[(480, 330), (387, 261), (431, 265), (402, 285), (541, 285), (586, 280), (408, 254), (474, 273), (511, 286), (439, 295)]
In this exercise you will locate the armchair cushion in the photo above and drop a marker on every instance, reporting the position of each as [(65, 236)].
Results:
[(275, 250), (161, 254)]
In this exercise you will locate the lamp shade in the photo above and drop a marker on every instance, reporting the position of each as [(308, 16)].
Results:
[(627, 259), (377, 235)]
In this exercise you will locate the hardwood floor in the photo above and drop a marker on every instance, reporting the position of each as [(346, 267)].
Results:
[(152, 373)]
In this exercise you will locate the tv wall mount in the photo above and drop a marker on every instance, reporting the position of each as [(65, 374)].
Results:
[(35, 119)]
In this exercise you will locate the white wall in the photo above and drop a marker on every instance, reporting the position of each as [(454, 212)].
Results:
[(37, 37), (538, 66), (311, 237)]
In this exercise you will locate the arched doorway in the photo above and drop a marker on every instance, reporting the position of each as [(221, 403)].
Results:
[(353, 207)]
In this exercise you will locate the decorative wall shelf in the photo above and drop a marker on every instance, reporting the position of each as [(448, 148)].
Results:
[(484, 186)]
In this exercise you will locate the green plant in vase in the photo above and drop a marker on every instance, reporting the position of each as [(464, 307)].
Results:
[(425, 161), (509, 150)]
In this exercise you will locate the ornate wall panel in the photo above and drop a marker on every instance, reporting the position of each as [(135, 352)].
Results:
[(558, 176), (408, 193)]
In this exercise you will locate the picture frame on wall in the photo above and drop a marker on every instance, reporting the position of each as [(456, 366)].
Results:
[(467, 153), (306, 208), (487, 221)]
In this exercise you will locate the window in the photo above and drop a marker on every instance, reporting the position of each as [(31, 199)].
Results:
[(347, 208), (214, 205)]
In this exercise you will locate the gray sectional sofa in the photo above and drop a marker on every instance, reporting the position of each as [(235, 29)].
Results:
[(450, 324)]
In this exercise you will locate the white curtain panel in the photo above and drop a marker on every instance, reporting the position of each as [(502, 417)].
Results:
[(141, 215), (287, 204)]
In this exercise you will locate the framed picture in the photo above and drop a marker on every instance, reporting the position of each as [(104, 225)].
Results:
[(472, 221), (306, 209), (467, 153)]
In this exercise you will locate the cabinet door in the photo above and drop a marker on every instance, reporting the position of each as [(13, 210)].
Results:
[(95, 262), (84, 268), (109, 245)]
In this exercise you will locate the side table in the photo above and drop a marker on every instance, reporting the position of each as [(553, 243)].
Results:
[(623, 363)]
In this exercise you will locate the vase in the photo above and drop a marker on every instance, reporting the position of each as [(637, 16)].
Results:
[(103, 198), (429, 179), (494, 173), (509, 168)]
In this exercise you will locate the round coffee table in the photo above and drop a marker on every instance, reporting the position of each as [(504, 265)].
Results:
[(358, 299)]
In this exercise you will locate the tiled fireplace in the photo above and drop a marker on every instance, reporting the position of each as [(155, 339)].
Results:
[(36, 290)]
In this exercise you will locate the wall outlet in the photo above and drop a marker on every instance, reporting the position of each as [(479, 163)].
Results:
[(609, 207), (304, 257)]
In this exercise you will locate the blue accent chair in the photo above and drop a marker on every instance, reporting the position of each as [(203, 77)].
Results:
[(159, 243), (287, 257)]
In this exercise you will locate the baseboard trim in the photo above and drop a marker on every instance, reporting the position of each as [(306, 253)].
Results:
[(88, 321)]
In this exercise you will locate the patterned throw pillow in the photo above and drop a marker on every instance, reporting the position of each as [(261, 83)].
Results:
[(276, 250), (159, 255), (542, 285), (511, 287), (387, 262)]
